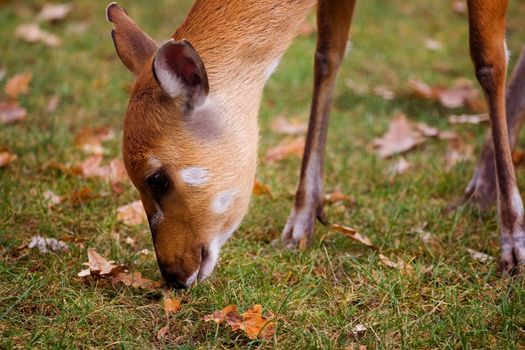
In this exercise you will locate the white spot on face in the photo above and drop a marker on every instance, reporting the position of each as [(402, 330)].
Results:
[(194, 176), (158, 217), (208, 264), (154, 162), (223, 201)]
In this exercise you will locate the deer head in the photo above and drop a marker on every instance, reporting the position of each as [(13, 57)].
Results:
[(184, 151)]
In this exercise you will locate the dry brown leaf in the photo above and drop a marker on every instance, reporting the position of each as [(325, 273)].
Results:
[(352, 234), (401, 266), (260, 189), (134, 280), (358, 329), (338, 196), (52, 104), (518, 155), (285, 149), (11, 112), (132, 214), (54, 12), (171, 305), (89, 139), (32, 33), (479, 256), (468, 119), (252, 322), (90, 167), (18, 85), (400, 137), (6, 158), (458, 152), (461, 93), (99, 266), (399, 167), (426, 130), (79, 197), (294, 126)]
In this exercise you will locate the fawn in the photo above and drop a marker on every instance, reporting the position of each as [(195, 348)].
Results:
[(191, 133)]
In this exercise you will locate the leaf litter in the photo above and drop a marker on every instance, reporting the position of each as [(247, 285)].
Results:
[(252, 322), (47, 245), (285, 149)]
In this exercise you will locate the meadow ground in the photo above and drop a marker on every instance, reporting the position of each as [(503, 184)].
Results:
[(319, 295)]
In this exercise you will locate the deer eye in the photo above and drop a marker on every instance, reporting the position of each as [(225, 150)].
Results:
[(158, 183)]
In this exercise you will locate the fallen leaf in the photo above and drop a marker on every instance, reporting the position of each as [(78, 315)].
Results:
[(99, 266), (134, 280), (6, 158), (352, 234), (54, 12), (462, 92), (11, 112), (260, 189), (468, 119), (47, 245), (90, 167), (400, 137), (426, 130), (285, 149), (459, 6), (32, 33), (51, 198), (171, 305), (479, 256), (399, 167), (337, 196), (404, 268), (252, 322), (79, 197), (90, 139), (294, 126), (518, 155), (18, 85), (433, 45), (132, 214)]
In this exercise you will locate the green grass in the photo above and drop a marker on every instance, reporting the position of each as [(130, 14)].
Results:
[(318, 295)]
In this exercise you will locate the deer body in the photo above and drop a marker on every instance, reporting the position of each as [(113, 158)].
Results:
[(191, 134)]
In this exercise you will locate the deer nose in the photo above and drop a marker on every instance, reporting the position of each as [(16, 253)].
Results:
[(174, 277)]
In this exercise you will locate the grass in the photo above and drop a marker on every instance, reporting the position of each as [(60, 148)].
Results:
[(319, 295)]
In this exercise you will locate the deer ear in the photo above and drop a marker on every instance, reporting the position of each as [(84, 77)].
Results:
[(180, 72), (133, 46)]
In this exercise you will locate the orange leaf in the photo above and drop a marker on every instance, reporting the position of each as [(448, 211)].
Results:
[(283, 150), (171, 305), (18, 85), (90, 139), (281, 125), (404, 268), (32, 33), (400, 137), (260, 189), (134, 280), (6, 158), (352, 234)]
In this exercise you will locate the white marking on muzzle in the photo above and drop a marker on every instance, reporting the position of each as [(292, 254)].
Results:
[(192, 278), (214, 248), (223, 201), (194, 176)]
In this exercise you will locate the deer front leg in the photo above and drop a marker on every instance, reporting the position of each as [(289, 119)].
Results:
[(482, 186), (488, 52), (333, 22)]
